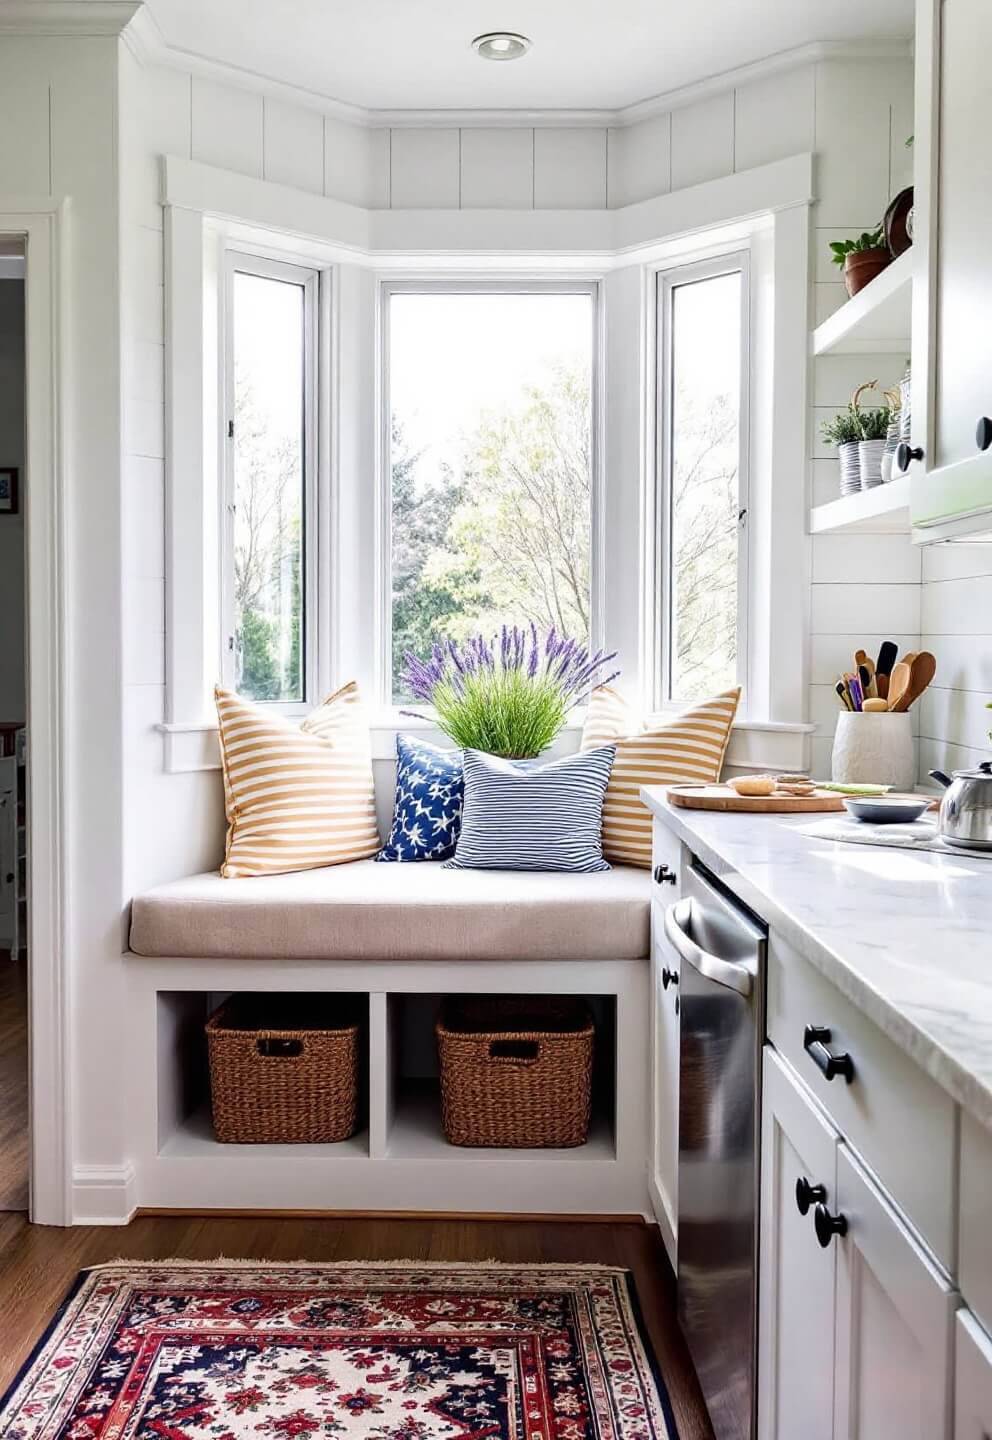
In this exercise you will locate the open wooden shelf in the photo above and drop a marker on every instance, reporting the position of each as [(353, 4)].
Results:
[(878, 320), (884, 510)]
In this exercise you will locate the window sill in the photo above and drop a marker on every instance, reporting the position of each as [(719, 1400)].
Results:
[(191, 746)]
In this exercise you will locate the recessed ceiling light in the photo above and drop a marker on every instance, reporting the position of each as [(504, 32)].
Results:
[(501, 45)]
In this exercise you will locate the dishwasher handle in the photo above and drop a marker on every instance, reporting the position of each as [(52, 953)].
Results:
[(721, 972)]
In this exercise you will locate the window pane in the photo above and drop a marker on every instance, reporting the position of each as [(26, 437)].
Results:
[(491, 465), (269, 407), (705, 448)]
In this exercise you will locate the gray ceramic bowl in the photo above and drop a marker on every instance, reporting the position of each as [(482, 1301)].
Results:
[(885, 810)]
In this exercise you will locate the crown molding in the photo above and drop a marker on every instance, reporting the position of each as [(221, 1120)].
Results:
[(149, 45), (67, 17), (811, 54)]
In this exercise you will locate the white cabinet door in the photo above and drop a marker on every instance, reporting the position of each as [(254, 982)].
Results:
[(665, 1083), (973, 1380), (796, 1292), (952, 319), (895, 1317)]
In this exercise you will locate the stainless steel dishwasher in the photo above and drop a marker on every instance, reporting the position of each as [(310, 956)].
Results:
[(721, 988)]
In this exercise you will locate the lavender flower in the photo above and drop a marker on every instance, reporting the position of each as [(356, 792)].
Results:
[(509, 695)]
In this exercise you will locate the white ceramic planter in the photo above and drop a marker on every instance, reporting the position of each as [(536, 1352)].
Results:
[(872, 749), (870, 454)]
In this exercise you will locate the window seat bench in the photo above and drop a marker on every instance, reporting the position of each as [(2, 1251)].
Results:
[(366, 911), (396, 939)]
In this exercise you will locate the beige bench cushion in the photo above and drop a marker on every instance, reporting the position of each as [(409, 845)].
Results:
[(369, 911)]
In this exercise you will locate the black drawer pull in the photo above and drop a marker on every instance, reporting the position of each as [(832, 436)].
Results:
[(668, 977), (664, 876), (816, 1038), (807, 1195), (983, 433), (827, 1225)]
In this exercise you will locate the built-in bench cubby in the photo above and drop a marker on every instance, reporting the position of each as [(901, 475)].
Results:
[(413, 1084), (399, 1158)]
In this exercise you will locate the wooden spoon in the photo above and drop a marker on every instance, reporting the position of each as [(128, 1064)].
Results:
[(866, 674), (922, 671), (898, 682)]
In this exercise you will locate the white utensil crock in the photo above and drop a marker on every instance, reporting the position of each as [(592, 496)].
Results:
[(874, 749)]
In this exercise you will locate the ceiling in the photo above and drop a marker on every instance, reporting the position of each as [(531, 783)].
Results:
[(587, 54)]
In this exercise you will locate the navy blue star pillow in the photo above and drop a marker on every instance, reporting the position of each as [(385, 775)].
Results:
[(427, 813)]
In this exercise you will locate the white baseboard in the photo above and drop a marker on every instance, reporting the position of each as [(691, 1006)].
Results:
[(103, 1194)]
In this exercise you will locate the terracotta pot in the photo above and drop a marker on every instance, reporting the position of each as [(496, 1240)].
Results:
[(861, 267), (898, 231)]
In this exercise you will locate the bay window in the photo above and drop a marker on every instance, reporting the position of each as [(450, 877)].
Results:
[(269, 550), (702, 510), (491, 468)]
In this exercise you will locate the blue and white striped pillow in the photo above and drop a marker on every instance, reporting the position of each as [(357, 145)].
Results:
[(542, 817)]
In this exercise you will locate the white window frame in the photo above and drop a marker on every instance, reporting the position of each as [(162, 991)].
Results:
[(668, 281), (237, 261), (523, 285)]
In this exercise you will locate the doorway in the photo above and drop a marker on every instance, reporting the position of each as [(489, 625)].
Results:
[(14, 1104)]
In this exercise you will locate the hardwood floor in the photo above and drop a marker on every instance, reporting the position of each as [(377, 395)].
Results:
[(38, 1264), (13, 1083)]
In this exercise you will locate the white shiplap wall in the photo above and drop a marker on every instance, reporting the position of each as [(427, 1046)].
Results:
[(957, 626), (484, 167), (864, 588), (158, 118)]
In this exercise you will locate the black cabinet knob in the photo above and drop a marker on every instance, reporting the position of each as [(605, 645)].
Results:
[(668, 977), (827, 1225), (983, 433), (905, 454), (807, 1195), (816, 1039), (664, 876)]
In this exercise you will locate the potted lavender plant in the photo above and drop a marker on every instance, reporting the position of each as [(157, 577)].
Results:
[(509, 696)]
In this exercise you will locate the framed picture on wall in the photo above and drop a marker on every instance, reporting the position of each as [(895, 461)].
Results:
[(8, 490)]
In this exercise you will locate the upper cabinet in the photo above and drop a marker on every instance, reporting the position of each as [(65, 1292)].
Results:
[(951, 492)]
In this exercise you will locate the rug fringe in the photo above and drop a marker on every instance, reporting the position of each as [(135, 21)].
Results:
[(232, 1263)]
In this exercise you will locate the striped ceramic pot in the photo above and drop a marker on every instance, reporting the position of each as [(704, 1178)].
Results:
[(870, 454), (850, 467)]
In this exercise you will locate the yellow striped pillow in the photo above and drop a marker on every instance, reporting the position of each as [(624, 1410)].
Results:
[(665, 750), (297, 796)]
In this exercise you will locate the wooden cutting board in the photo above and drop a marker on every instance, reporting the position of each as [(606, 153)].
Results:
[(721, 797)]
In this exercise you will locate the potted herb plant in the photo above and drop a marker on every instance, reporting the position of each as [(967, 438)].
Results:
[(862, 258), (844, 432), (873, 426), (510, 695)]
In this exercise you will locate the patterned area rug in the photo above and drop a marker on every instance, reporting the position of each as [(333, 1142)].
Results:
[(232, 1350)]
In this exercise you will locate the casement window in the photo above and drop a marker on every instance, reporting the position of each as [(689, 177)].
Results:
[(269, 519), (701, 546), (490, 480)]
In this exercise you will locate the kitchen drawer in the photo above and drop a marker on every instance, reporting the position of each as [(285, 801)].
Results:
[(975, 1262), (666, 861), (894, 1115)]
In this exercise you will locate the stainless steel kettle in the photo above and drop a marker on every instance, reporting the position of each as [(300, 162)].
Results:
[(965, 817)]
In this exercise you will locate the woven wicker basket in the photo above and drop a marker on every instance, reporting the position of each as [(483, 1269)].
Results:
[(515, 1072), (283, 1070)]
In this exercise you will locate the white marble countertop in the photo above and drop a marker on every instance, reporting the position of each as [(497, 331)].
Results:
[(906, 937)]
